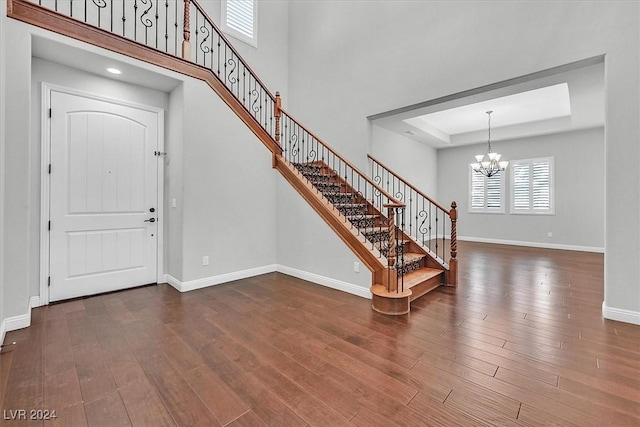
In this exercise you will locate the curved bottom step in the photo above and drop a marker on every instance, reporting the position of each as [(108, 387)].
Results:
[(391, 303)]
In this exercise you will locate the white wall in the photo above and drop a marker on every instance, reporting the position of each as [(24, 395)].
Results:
[(364, 58), (578, 221), (415, 162)]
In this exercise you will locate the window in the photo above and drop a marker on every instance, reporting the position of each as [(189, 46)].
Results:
[(486, 194), (532, 186), (240, 20)]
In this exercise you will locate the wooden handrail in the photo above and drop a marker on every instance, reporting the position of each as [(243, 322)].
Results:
[(348, 163), (438, 205), (213, 25)]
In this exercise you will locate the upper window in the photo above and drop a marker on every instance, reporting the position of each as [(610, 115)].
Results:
[(532, 186), (240, 20), (486, 194)]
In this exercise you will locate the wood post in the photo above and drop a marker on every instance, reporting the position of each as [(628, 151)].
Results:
[(453, 262), (392, 281), (186, 33), (278, 114)]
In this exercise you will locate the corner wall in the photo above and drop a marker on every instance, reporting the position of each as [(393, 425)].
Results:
[(413, 161)]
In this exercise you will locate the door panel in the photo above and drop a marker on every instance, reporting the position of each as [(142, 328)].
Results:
[(104, 183)]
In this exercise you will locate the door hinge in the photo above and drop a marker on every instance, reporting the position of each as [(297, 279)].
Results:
[(50, 111), (49, 167), (49, 226), (49, 281)]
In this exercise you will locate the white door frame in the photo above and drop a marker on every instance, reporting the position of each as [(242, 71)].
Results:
[(45, 186)]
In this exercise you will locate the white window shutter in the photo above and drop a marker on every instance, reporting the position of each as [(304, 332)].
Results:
[(486, 194), (240, 16), (532, 186), (239, 19)]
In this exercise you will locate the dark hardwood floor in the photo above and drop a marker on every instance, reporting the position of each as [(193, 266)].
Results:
[(521, 341)]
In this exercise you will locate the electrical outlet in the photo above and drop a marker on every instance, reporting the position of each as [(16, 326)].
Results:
[(356, 267), (550, 235), (174, 203), (205, 260)]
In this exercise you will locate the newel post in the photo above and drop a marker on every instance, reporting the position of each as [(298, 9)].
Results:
[(278, 114), (453, 262), (392, 284), (186, 33)]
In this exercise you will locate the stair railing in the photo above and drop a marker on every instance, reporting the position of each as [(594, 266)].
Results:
[(428, 223), (183, 29), (365, 202)]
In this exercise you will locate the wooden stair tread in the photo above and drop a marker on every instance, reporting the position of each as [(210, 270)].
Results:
[(419, 276), (380, 290)]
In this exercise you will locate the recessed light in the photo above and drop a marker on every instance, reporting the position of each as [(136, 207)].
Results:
[(114, 71)]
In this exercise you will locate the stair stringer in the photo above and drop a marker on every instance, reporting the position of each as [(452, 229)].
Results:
[(370, 258)]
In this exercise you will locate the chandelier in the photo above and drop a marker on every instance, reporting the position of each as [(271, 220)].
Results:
[(493, 165)]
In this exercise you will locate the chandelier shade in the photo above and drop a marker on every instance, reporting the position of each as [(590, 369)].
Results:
[(493, 165)]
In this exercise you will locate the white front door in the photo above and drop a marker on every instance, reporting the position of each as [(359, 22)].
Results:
[(104, 196)]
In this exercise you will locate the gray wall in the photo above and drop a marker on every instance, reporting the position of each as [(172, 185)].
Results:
[(579, 190), (270, 59), (228, 190), (413, 161), (17, 272), (173, 183), (365, 58), (2, 156)]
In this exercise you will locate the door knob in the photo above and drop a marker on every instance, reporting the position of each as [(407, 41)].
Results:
[(150, 220)]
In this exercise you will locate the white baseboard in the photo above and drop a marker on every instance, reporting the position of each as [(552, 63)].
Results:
[(326, 281), (620, 315), (534, 244), (35, 301), (18, 322), (300, 274), (3, 330), (217, 280)]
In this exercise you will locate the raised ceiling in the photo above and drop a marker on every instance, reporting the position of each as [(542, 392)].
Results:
[(552, 102)]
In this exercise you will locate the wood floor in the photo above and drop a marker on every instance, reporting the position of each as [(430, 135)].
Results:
[(521, 341)]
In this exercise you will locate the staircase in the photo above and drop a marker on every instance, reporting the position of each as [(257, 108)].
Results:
[(388, 230), (416, 273)]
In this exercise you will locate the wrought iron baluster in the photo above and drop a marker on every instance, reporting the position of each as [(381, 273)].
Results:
[(124, 18), (101, 4), (135, 19), (157, 16), (166, 26), (197, 34), (146, 22)]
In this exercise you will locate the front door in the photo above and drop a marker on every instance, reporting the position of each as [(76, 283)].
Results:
[(104, 196)]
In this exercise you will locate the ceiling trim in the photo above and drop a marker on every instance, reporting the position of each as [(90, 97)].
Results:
[(493, 86)]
